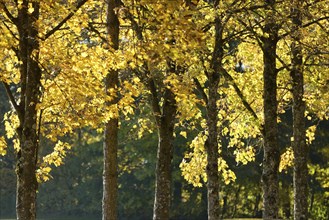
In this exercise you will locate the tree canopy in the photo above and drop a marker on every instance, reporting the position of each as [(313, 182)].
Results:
[(220, 83)]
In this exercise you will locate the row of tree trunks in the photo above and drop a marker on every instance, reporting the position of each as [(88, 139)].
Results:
[(271, 148), (110, 148)]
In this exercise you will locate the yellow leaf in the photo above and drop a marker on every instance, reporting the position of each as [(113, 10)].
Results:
[(31, 10), (84, 54), (183, 133)]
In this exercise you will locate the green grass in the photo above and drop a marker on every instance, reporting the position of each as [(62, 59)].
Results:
[(79, 218), (242, 218), (68, 218)]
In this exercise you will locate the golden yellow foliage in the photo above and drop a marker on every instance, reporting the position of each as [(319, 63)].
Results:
[(193, 166), (286, 160), (43, 174), (76, 59), (244, 155), (57, 156), (310, 134), (11, 124)]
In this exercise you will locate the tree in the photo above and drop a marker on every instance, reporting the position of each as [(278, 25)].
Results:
[(28, 83), (126, 59), (302, 40), (211, 144), (156, 66), (163, 103), (271, 150), (165, 120), (30, 80)]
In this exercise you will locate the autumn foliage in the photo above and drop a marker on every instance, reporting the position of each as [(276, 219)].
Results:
[(219, 74)]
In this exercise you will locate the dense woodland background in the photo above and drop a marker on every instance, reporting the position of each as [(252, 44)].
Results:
[(180, 109)]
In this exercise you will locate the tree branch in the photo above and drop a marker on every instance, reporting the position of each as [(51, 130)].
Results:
[(250, 28), (93, 29), (7, 12), (251, 8), (303, 26), (134, 24), (284, 65), (155, 100), (239, 93), (323, 28), (200, 89), (12, 100), (60, 24), (8, 28)]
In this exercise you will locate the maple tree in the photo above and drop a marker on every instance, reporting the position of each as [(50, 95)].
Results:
[(205, 163), (299, 128), (302, 136), (271, 151), (267, 38), (162, 99)]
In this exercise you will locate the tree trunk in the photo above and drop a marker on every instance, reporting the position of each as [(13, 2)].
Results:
[(211, 147), (271, 151), (211, 144), (27, 113), (163, 175), (110, 148), (27, 157), (110, 182), (300, 175)]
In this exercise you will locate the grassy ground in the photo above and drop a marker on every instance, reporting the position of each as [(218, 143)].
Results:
[(97, 219), (69, 218), (88, 218)]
